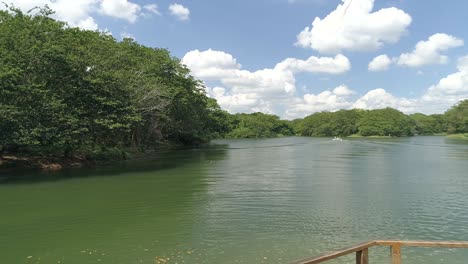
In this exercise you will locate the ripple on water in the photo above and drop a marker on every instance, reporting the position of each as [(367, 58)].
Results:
[(247, 201)]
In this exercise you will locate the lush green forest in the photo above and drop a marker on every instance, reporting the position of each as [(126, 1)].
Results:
[(258, 125), (383, 122), (66, 92)]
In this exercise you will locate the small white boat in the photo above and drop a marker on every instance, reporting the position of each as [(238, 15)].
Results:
[(337, 139)]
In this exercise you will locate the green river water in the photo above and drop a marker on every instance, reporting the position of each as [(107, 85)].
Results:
[(243, 201)]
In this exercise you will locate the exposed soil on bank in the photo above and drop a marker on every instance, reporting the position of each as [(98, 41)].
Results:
[(11, 162)]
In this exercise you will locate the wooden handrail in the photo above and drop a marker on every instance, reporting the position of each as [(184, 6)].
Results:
[(362, 250), (337, 254), (419, 243)]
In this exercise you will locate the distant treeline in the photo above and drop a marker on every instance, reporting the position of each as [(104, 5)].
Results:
[(73, 93), (356, 122)]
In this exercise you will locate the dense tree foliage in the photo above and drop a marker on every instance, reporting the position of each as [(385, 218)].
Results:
[(428, 124), (328, 124), (65, 90), (385, 122), (457, 118), (380, 122), (258, 125)]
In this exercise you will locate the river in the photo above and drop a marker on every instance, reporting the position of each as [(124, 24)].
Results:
[(243, 201)]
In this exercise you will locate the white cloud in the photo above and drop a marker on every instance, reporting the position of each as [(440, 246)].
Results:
[(333, 100), (262, 90), (428, 52), (272, 90), (243, 91), (152, 8), (463, 64), (181, 12), (343, 90), (240, 102), (120, 9), (338, 64), (79, 13), (380, 63), (75, 13), (379, 98), (87, 24), (449, 90), (437, 98), (210, 64), (353, 26), (218, 65)]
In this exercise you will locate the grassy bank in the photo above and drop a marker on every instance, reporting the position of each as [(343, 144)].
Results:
[(458, 136)]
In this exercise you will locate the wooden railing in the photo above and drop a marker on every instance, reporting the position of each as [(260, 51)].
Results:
[(362, 250)]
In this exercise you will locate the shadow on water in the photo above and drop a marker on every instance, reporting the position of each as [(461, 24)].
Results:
[(162, 160)]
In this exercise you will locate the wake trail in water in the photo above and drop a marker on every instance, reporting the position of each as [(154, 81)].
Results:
[(278, 146)]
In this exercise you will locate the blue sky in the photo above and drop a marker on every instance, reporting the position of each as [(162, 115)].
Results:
[(266, 55)]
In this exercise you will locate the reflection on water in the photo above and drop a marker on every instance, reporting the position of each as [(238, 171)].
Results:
[(244, 201)]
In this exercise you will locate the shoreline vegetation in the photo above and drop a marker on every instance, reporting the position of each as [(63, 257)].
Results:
[(371, 137), (458, 136), (71, 98)]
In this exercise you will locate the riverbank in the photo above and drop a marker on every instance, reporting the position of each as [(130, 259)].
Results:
[(11, 162), (372, 137), (458, 136)]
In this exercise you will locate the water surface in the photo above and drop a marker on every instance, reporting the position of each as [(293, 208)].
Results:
[(243, 201)]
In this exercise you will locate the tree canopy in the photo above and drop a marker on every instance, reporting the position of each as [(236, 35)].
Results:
[(385, 122), (258, 125), (429, 124), (329, 124), (457, 118), (66, 90)]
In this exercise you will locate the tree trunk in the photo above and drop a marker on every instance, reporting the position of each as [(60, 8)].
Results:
[(1, 155)]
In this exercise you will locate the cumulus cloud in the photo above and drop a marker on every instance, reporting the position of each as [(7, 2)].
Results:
[(210, 64), (180, 12), (273, 90), (338, 98), (337, 65), (248, 91), (121, 9), (79, 13), (437, 98), (380, 63), (239, 102), (354, 26), (379, 98), (343, 90), (450, 89), (75, 13), (429, 51), (88, 24)]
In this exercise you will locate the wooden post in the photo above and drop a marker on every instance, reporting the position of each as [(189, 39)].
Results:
[(396, 254), (362, 256)]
